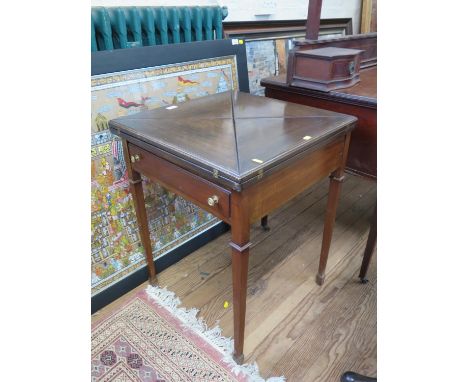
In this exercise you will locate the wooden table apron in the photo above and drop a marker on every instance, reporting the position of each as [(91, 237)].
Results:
[(241, 208)]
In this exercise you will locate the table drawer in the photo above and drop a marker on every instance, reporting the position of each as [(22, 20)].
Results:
[(182, 182)]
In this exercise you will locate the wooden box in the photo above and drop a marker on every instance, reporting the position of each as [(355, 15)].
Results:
[(324, 69)]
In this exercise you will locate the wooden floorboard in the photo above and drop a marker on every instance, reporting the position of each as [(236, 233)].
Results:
[(293, 327)]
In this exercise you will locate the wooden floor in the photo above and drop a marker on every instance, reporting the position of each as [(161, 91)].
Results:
[(294, 327)]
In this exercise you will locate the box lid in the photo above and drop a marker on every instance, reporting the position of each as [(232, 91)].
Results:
[(329, 52)]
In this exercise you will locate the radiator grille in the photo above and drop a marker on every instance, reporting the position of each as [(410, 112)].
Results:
[(127, 27)]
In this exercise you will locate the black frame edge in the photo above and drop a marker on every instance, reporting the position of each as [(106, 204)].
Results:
[(118, 60)]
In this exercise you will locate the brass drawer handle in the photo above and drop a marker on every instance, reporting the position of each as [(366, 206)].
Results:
[(135, 158), (212, 200)]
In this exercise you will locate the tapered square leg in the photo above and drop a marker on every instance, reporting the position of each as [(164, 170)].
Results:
[(240, 234), (139, 203), (136, 189), (332, 204), (240, 265), (370, 246), (264, 223), (336, 180)]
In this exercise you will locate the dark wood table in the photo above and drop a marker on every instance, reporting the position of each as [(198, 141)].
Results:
[(359, 100), (239, 157)]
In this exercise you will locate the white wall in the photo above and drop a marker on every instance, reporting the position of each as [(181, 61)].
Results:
[(243, 10)]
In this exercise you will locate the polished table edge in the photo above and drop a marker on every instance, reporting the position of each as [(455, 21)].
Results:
[(223, 180), (195, 168), (274, 82)]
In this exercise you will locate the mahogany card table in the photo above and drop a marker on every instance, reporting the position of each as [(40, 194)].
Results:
[(238, 157)]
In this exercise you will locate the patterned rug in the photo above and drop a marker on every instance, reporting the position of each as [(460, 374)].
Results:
[(151, 338)]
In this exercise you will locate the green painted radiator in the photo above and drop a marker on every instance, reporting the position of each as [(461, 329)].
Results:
[(127, 27)]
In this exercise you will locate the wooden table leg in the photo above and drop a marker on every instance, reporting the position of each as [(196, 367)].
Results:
[(332, 204), (136, 189), (240, 235), (264, 223), (336, 180), (370, 246)]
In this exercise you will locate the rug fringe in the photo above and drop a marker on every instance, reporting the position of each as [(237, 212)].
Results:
[(225, 345)]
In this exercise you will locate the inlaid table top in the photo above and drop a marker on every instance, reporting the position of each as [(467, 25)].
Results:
[(231, 136)]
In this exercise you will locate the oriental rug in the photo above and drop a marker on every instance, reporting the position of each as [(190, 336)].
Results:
[(150, 338)]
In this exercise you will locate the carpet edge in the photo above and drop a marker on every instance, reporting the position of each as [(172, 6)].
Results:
[(213, 336)]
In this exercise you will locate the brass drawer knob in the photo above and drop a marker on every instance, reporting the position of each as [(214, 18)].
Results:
[(212, 200), (135, 158)]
